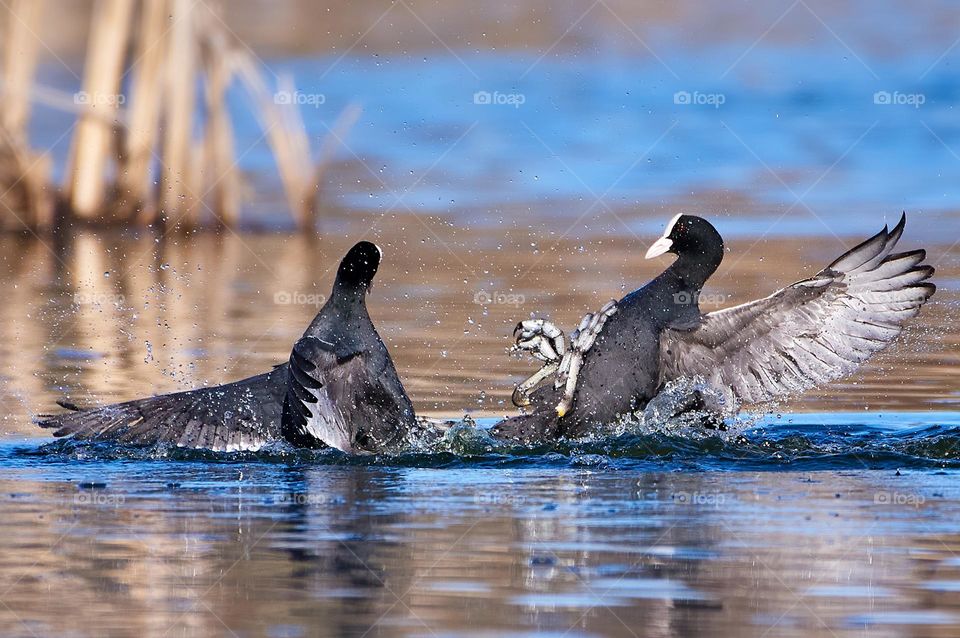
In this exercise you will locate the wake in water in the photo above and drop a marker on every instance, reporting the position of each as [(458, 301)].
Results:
[(664, 436)]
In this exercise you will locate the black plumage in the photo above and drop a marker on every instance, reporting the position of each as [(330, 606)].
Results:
[(813, 331), (340, 355)]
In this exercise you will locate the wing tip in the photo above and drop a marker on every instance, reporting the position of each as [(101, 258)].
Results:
[(929, 289), (863, 252), (926, 269), (894, 235)]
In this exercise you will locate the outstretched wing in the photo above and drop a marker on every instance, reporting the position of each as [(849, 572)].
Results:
[(813, 331), (243, 415), (340, 396)]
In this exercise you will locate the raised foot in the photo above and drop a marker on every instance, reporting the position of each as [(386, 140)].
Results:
[(544, 341)]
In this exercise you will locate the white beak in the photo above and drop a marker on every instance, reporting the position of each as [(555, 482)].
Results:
[(659, 247)]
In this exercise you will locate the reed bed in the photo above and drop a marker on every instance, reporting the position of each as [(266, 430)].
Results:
[(154, 143)]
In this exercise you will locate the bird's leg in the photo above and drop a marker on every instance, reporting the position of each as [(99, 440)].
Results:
[(521, 394), (544, 341), (542, 338), (581, 341)]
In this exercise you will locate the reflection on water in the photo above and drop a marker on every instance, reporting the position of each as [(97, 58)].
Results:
[(108, 317), (638, 537), (293, 549)]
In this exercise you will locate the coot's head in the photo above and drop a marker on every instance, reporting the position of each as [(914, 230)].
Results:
[(359, 266), (689, 236)]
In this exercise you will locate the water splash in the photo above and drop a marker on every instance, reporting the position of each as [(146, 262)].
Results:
[(806, 442)]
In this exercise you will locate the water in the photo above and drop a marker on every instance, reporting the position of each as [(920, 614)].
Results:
[(788, 131), (804, 526), (834, 516)]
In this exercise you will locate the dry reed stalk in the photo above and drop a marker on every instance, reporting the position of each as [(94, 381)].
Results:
[(176, 41), (289, 165), (338, 133), (135, 186), (24, 193), (19, 64), (280, 119), (23, 174), (222, 173), (66, 102), (180, 102), (93, 142)]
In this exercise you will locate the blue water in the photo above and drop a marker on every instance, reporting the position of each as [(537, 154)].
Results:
[(838, 525), (797, 442), (791, 151), (581, 132)]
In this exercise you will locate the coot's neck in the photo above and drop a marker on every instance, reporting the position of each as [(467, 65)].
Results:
[(346, 307), (694, 266), (349, 293)]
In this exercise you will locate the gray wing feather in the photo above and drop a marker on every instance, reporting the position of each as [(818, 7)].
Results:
[(811, 332), (243, 415)]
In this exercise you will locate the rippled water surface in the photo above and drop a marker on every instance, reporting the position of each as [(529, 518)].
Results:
[(837, 514), (804, 525)]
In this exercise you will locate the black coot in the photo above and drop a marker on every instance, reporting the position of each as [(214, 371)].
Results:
[(813, 331), (339, 389), (343, 388)]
